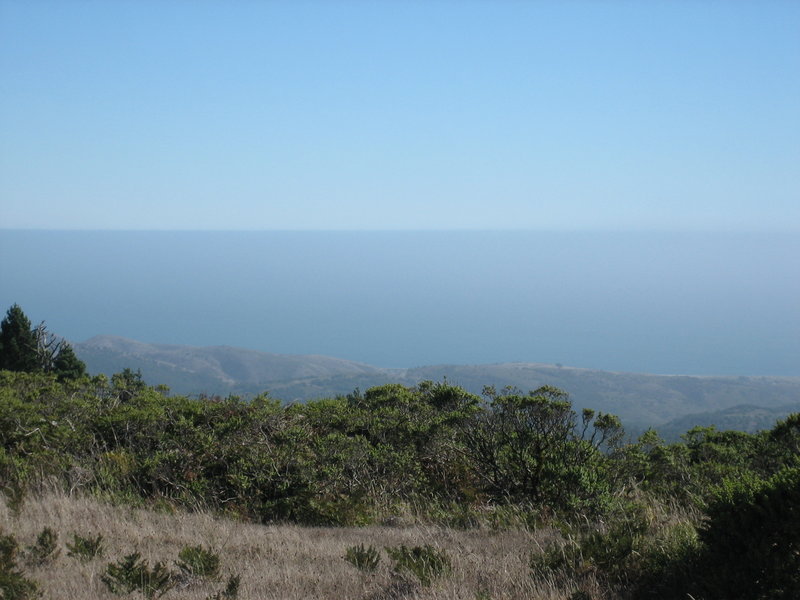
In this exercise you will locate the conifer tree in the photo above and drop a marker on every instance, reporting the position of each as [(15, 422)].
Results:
[(67, 365), (18, 343)]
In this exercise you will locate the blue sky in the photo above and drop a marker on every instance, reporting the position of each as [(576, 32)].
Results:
[(400, 115)]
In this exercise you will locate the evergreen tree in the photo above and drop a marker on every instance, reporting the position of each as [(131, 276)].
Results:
[(18, 343), (67, 365)]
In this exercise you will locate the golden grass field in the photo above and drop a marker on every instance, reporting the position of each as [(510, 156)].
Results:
[(274, 561)]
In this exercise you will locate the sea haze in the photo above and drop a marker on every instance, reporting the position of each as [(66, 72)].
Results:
[(689, 303)]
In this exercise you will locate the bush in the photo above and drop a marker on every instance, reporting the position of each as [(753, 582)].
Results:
[(425, 562), (45, 549), (364, 559), (635, 551), (132, 574), (85, 549), (752, 539), (196, 560), (13, 584)]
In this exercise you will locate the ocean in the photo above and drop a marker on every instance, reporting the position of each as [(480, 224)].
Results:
[(688, 303)]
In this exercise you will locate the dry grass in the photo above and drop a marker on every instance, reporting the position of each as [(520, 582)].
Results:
[(282, 561)]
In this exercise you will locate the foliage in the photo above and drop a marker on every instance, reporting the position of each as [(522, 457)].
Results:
[(752, 538), (432, 453), (531, 448), (363, 559), (67, 365), (18, 343), (13, 584), (45, 549), (23, 348), (196, 560), (426, 563), (131, 574), (85, 548)]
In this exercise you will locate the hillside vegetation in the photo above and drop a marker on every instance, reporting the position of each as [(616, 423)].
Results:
[(639, 400), (423, 491), (625, 519)]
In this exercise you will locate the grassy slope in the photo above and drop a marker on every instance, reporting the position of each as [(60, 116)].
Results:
[(282, 561)]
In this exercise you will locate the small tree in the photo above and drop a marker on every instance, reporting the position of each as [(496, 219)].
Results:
[(531, 448), (18, 343), (67, 365), (128, 383), (23, 348)]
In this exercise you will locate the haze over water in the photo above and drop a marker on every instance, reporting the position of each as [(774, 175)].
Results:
[(689, 303)]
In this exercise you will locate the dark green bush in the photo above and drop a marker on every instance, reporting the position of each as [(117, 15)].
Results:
[(364, 559), (132, 574), (196, 560), (45, 549), (752, 539), (13, 584), (85, 548), (424, 562), (633, 550)]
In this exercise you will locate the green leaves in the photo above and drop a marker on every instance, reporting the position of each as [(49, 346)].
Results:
[(364, 559), (132, 574), (23, 348), (18, 343), (13, 584), (85, 548), (426, 563), (199, 561)]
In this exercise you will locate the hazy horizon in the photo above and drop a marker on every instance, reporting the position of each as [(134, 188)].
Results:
[(669, 303)]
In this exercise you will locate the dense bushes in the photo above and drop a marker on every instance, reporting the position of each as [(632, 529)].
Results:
[(752, 539), (345, 460), (432, 452)]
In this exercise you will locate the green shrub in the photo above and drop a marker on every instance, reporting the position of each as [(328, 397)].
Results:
[(424, 562), (752, 539), (605, 552), (13, 584), (633, 551), (85, 549), (196, 560), (45, 549), (132, 574), (364, 559)]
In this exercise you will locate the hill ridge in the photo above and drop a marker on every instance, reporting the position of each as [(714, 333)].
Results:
[(640, 399)]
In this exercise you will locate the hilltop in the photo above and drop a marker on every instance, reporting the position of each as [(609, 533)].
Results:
[(640, 399)]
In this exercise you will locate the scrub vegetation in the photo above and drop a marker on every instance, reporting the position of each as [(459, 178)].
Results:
[(113, 488)]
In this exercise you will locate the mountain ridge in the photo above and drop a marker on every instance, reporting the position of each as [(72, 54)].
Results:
[(640, 399)]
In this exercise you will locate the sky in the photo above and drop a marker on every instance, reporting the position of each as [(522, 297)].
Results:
[(387, 115)]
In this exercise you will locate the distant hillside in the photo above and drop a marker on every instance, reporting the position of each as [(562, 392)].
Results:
[(743, 417), (212, 369), (641, 400)]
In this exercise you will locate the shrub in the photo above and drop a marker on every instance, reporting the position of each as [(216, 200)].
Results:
[(132, 574), (85, 549), (45, 549), (196, 560), (364, 559), (752, 539), (13, 584), (634, 552), (425, 562)]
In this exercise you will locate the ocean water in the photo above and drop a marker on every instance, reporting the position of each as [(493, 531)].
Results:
[(690, 303)]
